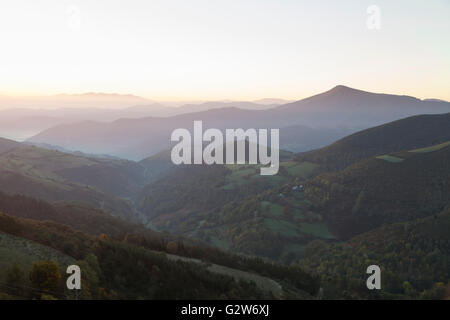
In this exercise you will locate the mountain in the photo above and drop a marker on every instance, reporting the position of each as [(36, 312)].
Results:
[(210, 105), (272, 101), (333, 114), (89, 99), (413, 132), (343, 105), (22, 123)]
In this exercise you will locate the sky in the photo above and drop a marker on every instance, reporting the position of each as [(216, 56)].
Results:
[(224, 49)]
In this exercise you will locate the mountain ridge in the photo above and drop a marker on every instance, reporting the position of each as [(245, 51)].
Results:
[(140, 138)]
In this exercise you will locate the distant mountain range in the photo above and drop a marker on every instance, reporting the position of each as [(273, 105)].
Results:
[(90, 100), (306, 124), (23, 118)]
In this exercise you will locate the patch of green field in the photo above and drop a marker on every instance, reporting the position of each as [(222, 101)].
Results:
[(432, 148), (317, 229), (298, 200), (240, 167), (288, 164), (389, 158), (274, 180), (239, 176), (298, 213), (297, 249), (220, 243), (229, 186), (274, 208), (299, 169), (295, 202), (265, 204), (245, 174), (284, 227)]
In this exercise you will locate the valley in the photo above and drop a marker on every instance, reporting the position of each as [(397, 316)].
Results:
[(257, 236)]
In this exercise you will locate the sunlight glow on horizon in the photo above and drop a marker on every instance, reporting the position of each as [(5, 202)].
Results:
[(173, 50)]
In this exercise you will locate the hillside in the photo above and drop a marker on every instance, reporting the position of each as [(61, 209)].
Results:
[(414, 258), (413, 132), (6, 145), (56, 176), (235, 208), (158, 166), (391, 188), (107, 277)]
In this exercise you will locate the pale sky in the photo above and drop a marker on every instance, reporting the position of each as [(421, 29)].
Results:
[(223, 49)]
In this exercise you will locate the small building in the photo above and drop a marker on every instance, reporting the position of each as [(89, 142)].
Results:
[(298, 188)]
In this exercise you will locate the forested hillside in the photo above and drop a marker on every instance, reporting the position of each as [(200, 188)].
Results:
[(414, 258), (149, 274), (56, 176), (383, 190), (410, 133)]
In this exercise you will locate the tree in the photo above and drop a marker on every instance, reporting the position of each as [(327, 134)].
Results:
[(437, 292), (45, 277), (172, 247), (15, 278)]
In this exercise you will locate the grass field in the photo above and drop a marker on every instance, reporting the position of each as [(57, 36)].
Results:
[(284, 227), (317, 229), (432, 148), (299, 169), (220, 243), (389, 158), (275, 209), (245, 174), (297, 249)]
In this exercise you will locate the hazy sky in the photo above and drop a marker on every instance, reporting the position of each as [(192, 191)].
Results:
[(217, 49)]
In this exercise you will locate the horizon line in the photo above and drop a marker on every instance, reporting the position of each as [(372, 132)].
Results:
[(187, 100)]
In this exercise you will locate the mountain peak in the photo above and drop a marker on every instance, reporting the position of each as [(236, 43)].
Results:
[(341, 88)]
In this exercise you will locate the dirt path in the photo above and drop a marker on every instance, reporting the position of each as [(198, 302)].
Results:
[(261, 282)]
